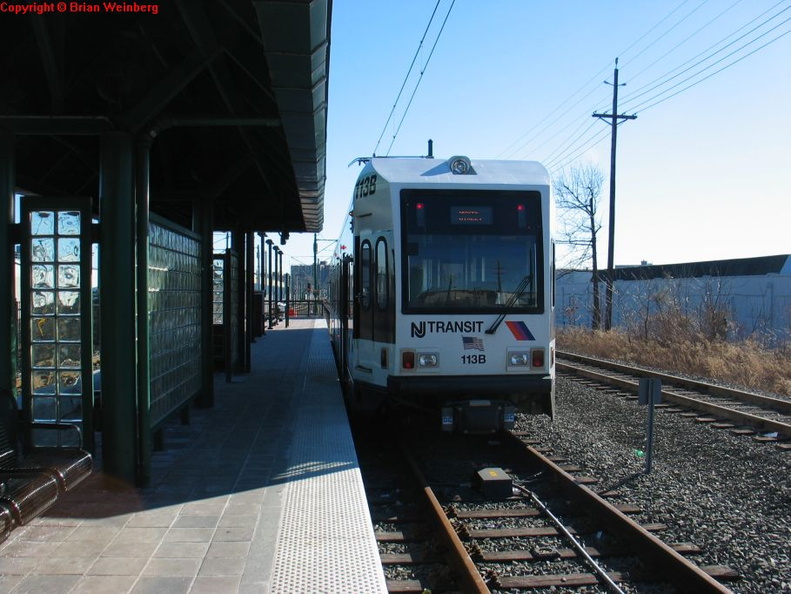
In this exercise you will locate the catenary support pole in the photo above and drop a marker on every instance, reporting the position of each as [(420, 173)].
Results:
[(614, 118)]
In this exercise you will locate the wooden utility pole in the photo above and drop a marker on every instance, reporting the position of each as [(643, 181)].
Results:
[(614, 117)]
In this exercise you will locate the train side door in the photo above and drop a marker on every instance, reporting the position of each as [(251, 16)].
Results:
[(363, 305), (345, 309)]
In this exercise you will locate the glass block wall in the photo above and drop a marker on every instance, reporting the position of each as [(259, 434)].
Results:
[(174, 291), (56, 331)]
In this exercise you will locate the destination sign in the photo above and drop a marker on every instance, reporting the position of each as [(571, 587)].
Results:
[(470, 215)]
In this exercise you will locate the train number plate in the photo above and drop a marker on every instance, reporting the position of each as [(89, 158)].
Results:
[(473, 359)]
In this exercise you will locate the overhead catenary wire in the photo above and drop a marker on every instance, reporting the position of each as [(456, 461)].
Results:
[(420, 78), (409, 72), (406, 78)]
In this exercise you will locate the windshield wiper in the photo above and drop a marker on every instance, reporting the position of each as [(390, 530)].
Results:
[(520, 290)]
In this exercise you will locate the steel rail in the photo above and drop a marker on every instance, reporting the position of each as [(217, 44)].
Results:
[(472, 581), (684, 574), (779, 404), (761, 423), (576, 544)]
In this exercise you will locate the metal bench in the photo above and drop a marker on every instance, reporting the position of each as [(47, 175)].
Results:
[(30, 485)]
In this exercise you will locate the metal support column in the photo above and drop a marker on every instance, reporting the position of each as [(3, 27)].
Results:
[(277, 284), (262, 278), (269, 284), (117, 290), (250, 269), (242, 345), (7, 309), (280, 283), (143, 322), (204, 225)]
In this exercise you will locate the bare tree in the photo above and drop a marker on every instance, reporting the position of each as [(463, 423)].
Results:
[(577, 197)]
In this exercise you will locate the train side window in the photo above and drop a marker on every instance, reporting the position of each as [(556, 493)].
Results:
[(365, 275), (382, 294)]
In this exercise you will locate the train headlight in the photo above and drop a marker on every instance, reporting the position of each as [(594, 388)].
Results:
[(519, 359), (427, 360)]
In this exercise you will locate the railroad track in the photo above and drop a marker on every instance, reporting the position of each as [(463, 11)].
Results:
[(418, 547), (726, 408), (536, 525)]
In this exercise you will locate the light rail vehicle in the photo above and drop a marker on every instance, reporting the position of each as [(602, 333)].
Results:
[(442, 291)]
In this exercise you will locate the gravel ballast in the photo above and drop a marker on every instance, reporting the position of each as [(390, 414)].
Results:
[(728, 494)]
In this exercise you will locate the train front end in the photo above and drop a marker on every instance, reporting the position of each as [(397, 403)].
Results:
[(474, 328)]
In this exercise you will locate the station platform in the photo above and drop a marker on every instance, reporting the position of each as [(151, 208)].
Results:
[(261, 493)]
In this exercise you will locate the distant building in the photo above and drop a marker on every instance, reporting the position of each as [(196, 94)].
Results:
[(302, 281), (746, 297)]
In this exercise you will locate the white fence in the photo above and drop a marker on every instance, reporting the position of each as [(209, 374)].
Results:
[(736, 299)]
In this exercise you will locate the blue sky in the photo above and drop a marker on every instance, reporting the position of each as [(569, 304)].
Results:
[(703, 175)]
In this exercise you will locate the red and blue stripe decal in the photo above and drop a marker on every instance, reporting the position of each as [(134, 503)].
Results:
[(520, 331)]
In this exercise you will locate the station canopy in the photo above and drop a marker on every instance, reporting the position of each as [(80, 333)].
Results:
[(231, 95)]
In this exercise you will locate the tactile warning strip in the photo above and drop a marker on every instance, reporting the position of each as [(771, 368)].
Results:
[(325, 541)]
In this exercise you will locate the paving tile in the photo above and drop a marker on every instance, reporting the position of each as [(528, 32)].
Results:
[(104, 584), (131, 549), (30, 548), (244, 534), (172, 567), (240, 521), (118, 566), (64, 565), (189, 535), (155, 534), (182, 550), (94, 533), (162, 585), (51, 584), (80, 548), (217, 566), (216, 584), (196, 521), (228, 549)]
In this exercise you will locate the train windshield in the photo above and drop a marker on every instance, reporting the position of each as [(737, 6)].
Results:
[(472, 251)]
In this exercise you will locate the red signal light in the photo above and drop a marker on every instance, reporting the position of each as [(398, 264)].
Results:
[(538, 357)]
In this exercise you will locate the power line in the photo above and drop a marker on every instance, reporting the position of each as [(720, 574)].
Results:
[(724, 67), (552, 122), (681, 20), (574, 146), (648, 103), (403, 84), (564, 160), (658, 82), (686, 39), (596, 77)]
